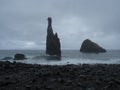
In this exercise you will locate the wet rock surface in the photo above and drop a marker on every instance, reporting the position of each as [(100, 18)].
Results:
[(53, 46), (18, 76), (91, 47), (19, 56)]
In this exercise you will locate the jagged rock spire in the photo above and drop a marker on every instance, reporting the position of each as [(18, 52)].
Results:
[(53, 46)]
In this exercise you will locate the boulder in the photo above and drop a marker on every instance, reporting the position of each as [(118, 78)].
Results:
[(91, 47), (19, 57), (53, 46), (112, 86)]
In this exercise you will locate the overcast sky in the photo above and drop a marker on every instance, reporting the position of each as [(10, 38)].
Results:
[(23, 23)]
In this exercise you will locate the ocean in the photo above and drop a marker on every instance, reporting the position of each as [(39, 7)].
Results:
[(68, 57)]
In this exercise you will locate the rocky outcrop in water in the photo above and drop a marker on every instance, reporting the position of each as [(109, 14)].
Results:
[(52, 42), (91, 47), (19, 57)]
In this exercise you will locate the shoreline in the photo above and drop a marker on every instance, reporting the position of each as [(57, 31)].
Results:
[(20, 76)]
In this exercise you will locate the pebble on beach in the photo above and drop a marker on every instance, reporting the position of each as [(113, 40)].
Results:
[(19, 76)]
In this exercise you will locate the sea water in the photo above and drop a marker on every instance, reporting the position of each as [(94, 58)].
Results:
[(68, 57)]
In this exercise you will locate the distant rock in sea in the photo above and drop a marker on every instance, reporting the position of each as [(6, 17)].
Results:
[(19, 57), (53, 46), (91, 47)]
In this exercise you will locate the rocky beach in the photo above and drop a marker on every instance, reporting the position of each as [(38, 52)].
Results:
[(19, 76)]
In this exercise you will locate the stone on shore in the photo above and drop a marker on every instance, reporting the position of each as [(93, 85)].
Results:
[(19, 57), (91, 47), (20, 76), (53, 46)]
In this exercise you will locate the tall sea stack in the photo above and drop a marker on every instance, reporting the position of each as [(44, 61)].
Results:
[(53, 46)]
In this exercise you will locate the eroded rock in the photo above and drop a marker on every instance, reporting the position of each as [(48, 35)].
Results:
[(19, 57), (53, 46), (91, 47)]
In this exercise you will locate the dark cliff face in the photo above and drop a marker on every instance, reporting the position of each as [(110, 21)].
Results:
[(90, 47), (53, 46)]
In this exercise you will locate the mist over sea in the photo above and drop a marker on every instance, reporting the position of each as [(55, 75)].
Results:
[(68, 57)]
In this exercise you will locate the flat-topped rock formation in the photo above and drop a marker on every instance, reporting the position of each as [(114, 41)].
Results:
[(53, 46), (91, 47)]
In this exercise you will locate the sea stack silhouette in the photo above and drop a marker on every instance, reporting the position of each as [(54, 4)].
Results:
[(53, 46), (91, 47)]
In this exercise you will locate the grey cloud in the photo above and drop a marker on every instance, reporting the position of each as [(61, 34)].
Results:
[(23, 23)]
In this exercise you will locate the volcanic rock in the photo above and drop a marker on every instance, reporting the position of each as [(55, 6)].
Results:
[(19, 57), (53, 46), (91, 47), (20, 76)]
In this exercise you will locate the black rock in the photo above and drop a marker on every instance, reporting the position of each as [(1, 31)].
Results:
[(19, 57), (53, 46), (112, 86), (91, 47)]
